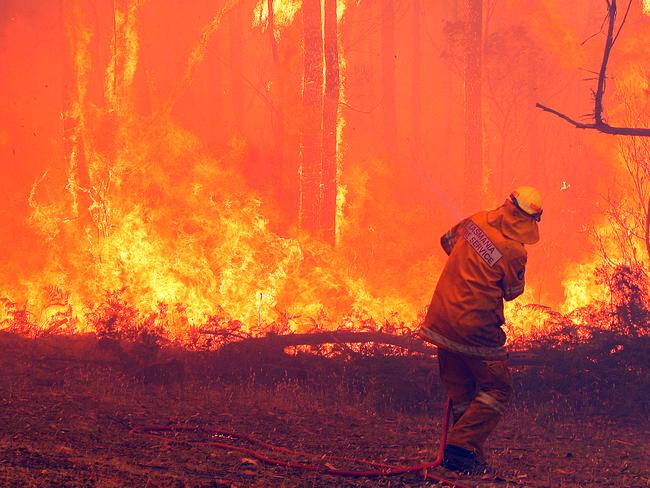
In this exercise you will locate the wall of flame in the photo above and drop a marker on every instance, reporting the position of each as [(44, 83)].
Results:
[(142, 151)]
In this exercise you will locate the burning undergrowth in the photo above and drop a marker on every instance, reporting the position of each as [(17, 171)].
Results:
[(625, 314), (177, 249), (146, 232)]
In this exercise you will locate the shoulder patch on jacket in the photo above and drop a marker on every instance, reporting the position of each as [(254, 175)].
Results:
[(481, 243)]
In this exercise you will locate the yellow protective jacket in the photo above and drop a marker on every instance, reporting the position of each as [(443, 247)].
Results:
[(486, 264)]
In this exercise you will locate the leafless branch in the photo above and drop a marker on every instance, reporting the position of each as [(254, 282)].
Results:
[(600, 31), (627, 11), (599, 124), (575, 123), (602, 127)]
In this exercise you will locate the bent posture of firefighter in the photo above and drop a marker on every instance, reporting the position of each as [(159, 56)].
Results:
[(486, 265)]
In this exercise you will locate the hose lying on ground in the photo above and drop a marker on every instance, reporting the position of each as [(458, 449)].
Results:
[(380, 468)]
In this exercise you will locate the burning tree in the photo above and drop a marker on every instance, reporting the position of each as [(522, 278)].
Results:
[(319, 158), (312, 95), (330, 158)]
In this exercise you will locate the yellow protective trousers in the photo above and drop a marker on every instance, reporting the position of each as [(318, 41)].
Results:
[(479, 390)]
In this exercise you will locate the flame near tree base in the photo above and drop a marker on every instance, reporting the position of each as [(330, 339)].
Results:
[(627, 314), (166, 250)]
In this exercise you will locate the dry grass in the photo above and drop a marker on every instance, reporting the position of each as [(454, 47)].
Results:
[(68, 405)]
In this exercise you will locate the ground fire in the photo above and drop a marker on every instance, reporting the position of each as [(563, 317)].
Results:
[(221, 226)]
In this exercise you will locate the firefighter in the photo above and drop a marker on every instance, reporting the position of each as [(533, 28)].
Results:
[(486, 265)]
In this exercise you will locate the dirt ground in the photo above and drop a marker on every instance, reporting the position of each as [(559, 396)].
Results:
[(67, 415)]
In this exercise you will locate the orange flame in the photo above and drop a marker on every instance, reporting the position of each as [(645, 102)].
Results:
[(148, 215)]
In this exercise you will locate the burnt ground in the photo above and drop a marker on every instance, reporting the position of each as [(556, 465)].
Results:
[(68, 407)]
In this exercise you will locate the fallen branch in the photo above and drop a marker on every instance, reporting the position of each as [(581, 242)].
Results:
[(411, 343)]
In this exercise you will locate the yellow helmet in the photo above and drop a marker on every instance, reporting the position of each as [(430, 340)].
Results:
[(528, 200)]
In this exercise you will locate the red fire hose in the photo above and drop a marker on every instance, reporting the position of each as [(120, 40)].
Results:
[(380, 468)]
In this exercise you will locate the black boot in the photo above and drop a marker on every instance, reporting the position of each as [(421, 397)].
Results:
[(461, 460)]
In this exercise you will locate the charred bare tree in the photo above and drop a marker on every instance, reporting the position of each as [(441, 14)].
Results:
[(634, 153), (330, 117), (312, 98), (472, 68), (599, 123)]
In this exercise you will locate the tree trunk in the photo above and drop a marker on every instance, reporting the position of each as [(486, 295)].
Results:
[(473, 170), (416, 74), (76, 68), (124, 58), (330, 117), (535, 150), (451, 145), (312, 98), (276, 91), (236, 56), (72, 102), (388, 56)]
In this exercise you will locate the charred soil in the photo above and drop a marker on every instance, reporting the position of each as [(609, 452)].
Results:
[(69, 405)]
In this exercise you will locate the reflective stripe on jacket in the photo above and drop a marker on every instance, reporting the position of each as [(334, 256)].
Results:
[(486, 264)]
